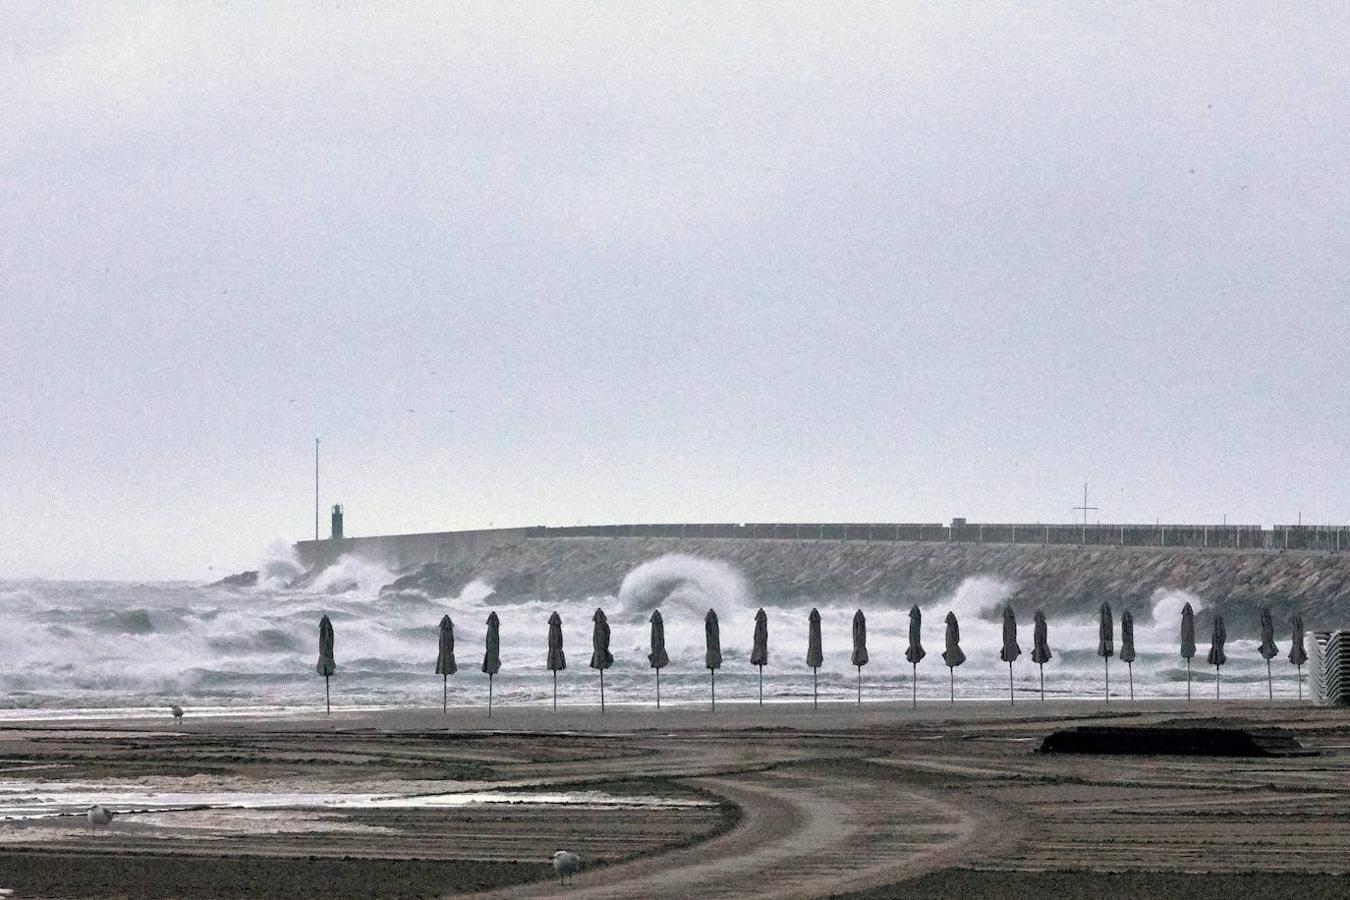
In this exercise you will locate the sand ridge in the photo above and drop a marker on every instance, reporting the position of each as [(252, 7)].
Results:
[(801, 804)]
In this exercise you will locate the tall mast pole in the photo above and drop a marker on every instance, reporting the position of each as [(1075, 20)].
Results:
[(316, 489), (1085, 509)]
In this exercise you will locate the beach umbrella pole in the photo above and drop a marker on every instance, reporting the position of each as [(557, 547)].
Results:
[(1042, 665), (1130, 666), (658, 688), (1299, 676), (1270, 688), (712, 674), (555, 690), (327, 707), (1188, 678), (914, 686), (1010, 685), (445, 690), (814, 687), (489, 696), (860, 685), (951, 675), (761, 685), (1218, 675), (602, 691), (1106, 665)]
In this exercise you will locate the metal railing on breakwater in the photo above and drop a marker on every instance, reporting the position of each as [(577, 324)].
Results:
[(1326, 538)]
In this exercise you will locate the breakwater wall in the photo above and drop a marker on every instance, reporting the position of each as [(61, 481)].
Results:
[(1062, 580), (894, 575), (550, 564), (1324, 538), (399, 551)]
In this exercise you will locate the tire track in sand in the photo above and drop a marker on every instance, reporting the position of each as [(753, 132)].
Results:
[(804, 832)]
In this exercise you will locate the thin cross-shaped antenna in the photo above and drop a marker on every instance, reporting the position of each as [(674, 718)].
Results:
[(1085, 508)]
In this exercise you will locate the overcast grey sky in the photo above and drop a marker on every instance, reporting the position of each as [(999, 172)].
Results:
[(559, 263)]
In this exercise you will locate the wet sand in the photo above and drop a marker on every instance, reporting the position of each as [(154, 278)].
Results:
[(783, 801)]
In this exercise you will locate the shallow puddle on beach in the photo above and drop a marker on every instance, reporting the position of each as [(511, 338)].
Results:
[(28, 800)]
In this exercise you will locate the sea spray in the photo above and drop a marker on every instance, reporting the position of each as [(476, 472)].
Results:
[(351, 573), (280, 567), (113, 645), (1164, 612), (980, 596), (691, 582), (977, 601)]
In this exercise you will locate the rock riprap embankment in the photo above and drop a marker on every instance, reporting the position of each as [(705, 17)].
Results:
[(1061, 580)]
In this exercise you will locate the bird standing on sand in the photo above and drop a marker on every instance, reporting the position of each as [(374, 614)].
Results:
[(99, 817), (177, 711), (566, 864)]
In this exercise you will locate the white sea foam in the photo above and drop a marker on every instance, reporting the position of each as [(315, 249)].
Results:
[(678, 580), (88, 645), (279, 567)]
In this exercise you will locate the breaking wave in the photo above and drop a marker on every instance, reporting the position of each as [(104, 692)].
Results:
[(692, 583), (113, 645)]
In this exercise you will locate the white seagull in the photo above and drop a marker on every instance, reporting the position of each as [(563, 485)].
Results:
[(566, 864), (99, 816)]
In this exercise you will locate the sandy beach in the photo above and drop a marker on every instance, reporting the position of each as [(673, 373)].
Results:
[(781, 801)]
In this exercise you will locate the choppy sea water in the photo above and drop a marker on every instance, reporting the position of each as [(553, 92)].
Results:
[(104, 647)]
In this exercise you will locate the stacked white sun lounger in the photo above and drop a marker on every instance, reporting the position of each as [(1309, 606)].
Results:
[(1329, 673)]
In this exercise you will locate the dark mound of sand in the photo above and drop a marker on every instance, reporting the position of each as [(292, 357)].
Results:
[(1185, 741)]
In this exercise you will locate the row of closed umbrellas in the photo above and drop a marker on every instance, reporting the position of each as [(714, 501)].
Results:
[(952, 655)]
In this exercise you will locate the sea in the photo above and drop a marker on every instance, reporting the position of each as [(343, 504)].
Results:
[(105, 648)]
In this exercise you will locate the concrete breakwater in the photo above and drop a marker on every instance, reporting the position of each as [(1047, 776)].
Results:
[(403, 550), (1061, 579), (1209, 537), (399, 551)]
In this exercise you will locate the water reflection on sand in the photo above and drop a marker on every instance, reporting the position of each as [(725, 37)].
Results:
[(31, 800)]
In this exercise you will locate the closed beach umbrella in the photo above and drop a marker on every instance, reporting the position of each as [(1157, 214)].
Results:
[(1297, 654), (1127, 654), (492, 654), (1216, 655), (601, 658), (1040, 651), (1187, 642), (326, 665), (557, 660), (953, 656), (1010, 650), (914, 652), (859, 657), (445, 658), (712, 656), (1106, 644), (1268, 649), (759, 653), (657, 657), (814, 656)]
